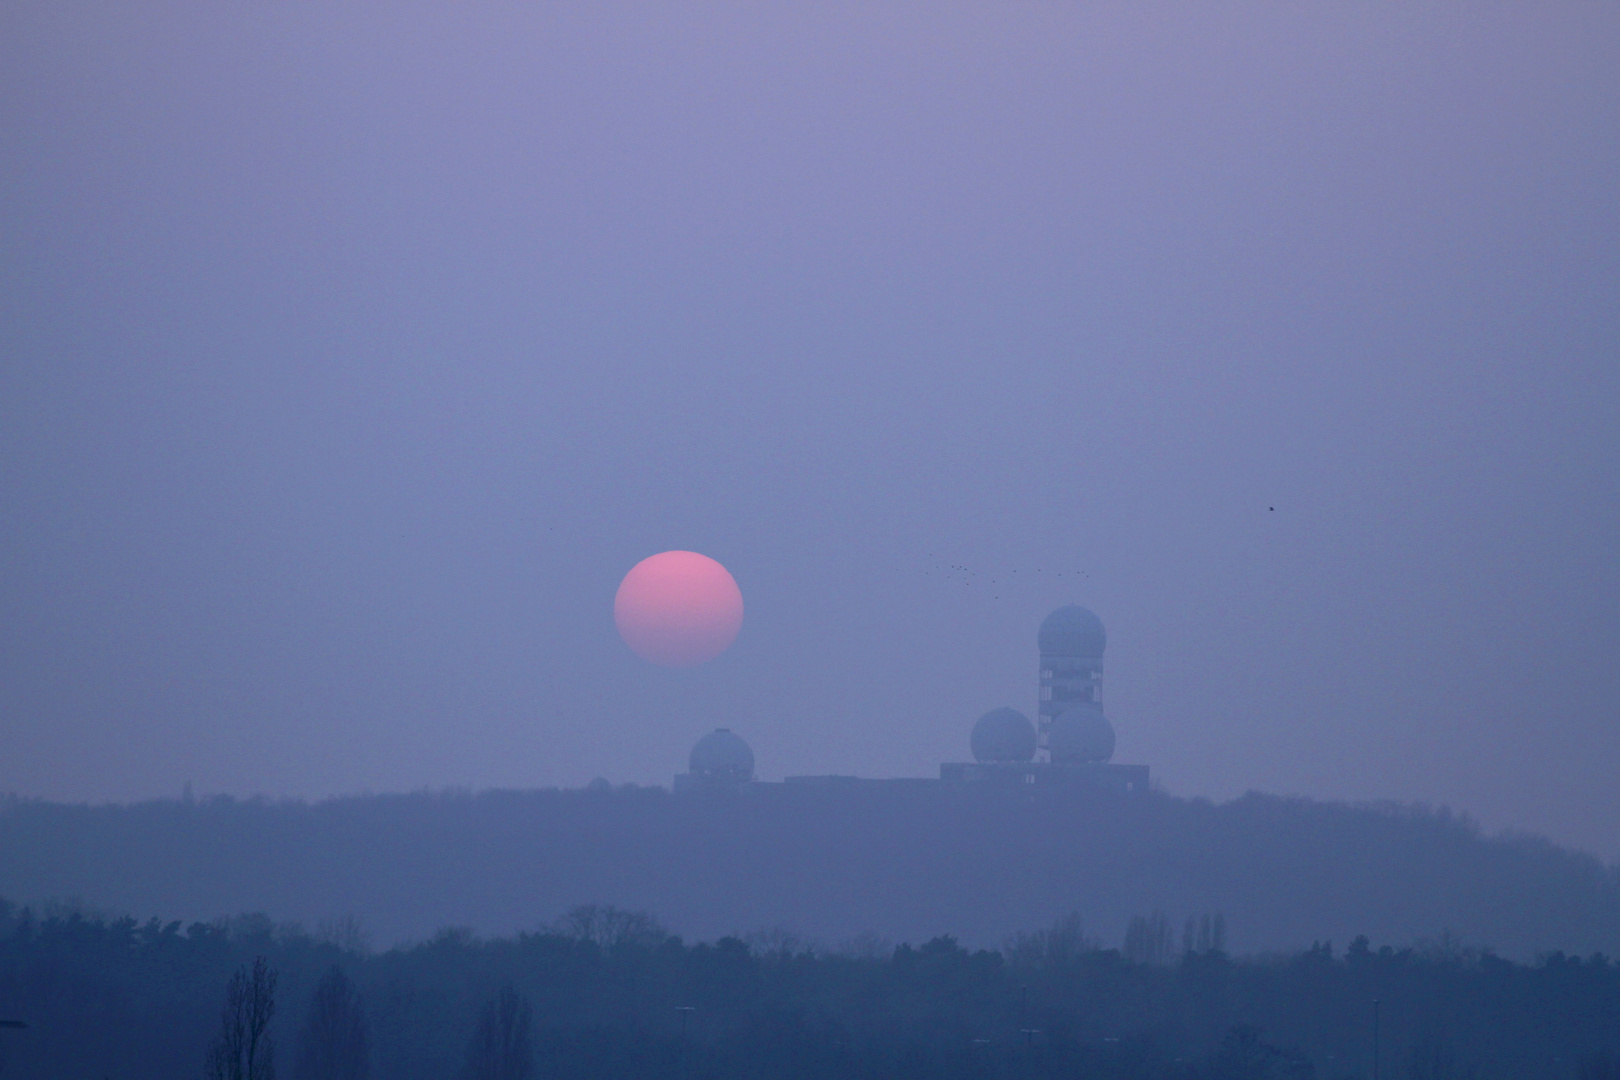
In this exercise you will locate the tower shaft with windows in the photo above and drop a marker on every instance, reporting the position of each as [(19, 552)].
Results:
[(1067, 681), (1072, 640)]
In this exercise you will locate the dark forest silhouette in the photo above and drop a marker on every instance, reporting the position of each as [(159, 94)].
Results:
[(602, 992)]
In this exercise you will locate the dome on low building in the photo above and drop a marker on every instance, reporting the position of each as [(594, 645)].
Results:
[(1079, 734), (1003, 735), (721, 755), (1072, 631)]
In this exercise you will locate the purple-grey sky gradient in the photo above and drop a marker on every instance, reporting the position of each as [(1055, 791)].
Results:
[(350, 354)]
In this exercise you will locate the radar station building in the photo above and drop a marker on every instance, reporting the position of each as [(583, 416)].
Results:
[(720, 760), (1070, 726), (1069, 746)]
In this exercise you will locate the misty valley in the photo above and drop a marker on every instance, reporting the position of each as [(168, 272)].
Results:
[(811, 931)]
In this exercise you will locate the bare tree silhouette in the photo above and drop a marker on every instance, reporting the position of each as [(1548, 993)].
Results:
[(607, 926), (243, 1050), (1149, 939), (501, 1049), (334, 1044)]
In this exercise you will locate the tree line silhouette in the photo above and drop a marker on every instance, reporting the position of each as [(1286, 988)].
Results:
[(607, 992)]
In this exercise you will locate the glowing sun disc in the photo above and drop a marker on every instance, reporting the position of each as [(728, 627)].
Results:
[(678, 608)]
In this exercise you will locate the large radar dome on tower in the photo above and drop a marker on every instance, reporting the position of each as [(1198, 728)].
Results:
[(721, 755), (1072, 631), (1003, 735)]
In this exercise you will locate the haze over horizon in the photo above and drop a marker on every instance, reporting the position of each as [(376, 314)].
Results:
[(350, 357)]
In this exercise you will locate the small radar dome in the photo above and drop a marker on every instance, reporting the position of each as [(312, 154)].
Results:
[(1079, 734), (1072, 631), (1003, 735), (720, 755)]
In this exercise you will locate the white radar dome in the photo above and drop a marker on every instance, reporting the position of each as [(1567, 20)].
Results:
[(1003, 735), (722, 755), (1080, 733), (1072, 631)]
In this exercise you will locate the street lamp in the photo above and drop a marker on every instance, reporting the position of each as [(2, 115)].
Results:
[(1375, 1039), (686, 1051)]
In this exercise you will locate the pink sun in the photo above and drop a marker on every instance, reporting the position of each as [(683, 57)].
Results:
[(678, 608)]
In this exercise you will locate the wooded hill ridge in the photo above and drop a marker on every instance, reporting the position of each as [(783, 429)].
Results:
[(899, 862)]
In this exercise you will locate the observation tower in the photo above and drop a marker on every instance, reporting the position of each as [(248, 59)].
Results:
[(1072, 640)]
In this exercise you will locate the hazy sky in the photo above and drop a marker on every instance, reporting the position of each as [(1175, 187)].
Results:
[(352, 353)]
